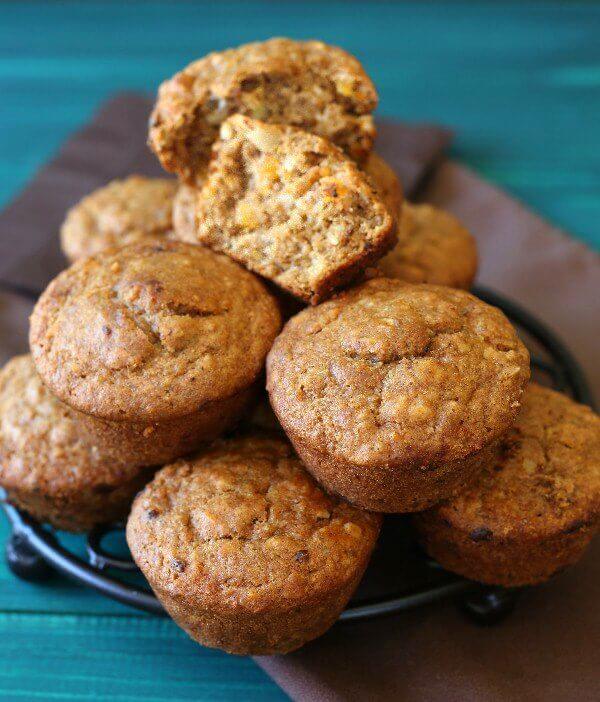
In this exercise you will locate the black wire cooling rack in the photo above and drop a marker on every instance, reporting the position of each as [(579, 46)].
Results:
[(400, 576)]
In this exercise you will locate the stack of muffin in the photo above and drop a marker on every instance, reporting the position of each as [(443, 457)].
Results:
[(395, 390)]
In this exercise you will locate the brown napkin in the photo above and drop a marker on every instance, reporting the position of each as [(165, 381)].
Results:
[(548, 649), (14, 324)]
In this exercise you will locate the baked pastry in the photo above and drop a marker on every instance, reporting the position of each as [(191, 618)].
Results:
[(183, 224), (382, 177), (48, 466), (386, 183), (166, 343), (184, 206), (290, 206), (132, 211), (245, 551), (393, 394), (307, 84), (534, 508), (433, 247)]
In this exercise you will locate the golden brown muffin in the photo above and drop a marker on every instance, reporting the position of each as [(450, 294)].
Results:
[(183, 223), (382, 177), (165, 342), (290, 206), (48, 466), (535, 507), (386, 183), (307, 84), (433, 247), (393, 394), (245, 551), (136, 210), (184, 206)]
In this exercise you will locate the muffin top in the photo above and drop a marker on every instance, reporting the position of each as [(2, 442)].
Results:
[(545, 478), (131, 211), (433, 247), (42, 445), (307, 84), (290, 206), (150, 333), (390, 372), (385, 181), (243, 525)]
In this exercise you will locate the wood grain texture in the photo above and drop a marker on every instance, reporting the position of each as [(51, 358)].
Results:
[(520, 84), (90, 657)]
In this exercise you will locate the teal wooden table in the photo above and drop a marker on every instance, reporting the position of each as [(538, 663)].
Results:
[(520, 84)]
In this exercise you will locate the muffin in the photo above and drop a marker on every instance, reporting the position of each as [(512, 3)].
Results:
[(433, 247), (290, 206), (132, 211), (183, 212), (306, 84), (48, 466), (386, 183), (394, 394), (165, 343), (245, 551), (382, 177), (534, 508)]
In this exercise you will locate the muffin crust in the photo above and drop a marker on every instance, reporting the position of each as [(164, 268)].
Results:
[(152, 333), (310, 85), (132, 211), (433, 247), (48, 465), (292, 207), (184, 206), (245, 551), (392, 393), (386, 183), (534, 508)]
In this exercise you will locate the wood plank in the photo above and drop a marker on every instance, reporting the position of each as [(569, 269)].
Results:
[(47, 657)]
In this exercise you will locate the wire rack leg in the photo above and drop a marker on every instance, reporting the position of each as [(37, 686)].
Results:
[(24, 561), (487, 605)]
